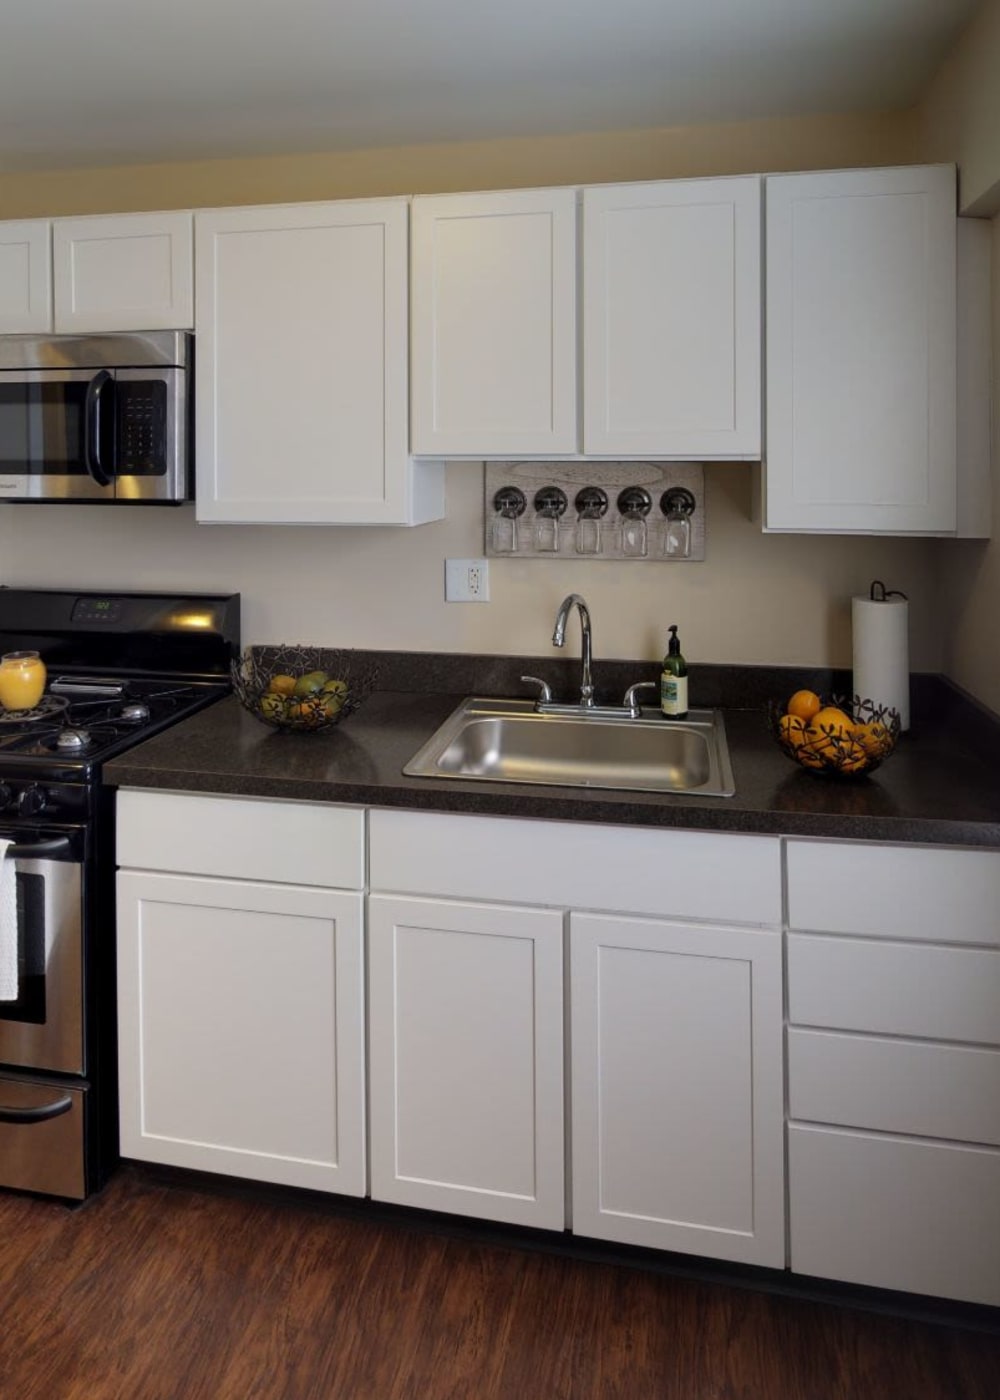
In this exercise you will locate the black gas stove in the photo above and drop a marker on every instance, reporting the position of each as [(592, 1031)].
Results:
[(120, 667)]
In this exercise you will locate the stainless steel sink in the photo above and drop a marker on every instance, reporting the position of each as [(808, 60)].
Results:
[(508, 741)]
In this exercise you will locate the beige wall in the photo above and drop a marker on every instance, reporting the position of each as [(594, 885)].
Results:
[(971, 569), (756, 598), (959, 117), (780, 599), (803, 144)]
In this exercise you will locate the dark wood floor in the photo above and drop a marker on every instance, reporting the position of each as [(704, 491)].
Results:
[(156, 1291)]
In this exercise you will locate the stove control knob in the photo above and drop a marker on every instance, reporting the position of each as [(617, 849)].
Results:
[(32, 801), (6, 796)]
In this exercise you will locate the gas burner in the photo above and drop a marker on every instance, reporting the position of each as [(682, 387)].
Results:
[(73, 740), (135, 712)]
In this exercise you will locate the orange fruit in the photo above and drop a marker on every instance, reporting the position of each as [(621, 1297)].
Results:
[(792, 730), (832, 721), (281, 685), (810, 755), (804, 704), (851, 757), (874, 738)]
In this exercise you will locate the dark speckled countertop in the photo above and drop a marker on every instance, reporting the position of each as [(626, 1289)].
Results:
[(942, 785)]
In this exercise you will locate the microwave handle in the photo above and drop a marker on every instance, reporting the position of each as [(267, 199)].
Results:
[(92, 428)]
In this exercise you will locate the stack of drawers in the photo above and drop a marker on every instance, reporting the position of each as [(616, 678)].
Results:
[(894, 1066)]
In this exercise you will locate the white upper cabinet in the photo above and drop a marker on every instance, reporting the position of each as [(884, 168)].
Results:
[(974, 368), (301, 373), (116, 272), (861, 351), (26, 276), (494, 324), (124, 272), (671, 319)]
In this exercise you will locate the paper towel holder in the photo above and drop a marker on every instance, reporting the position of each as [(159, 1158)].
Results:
[(885, 594)]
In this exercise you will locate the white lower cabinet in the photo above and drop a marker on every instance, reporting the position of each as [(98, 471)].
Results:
[(466, 1085), (893, 1212), (894, 1067), (240, 1001), (573, 1025), (677, 1087), (673, 1033)]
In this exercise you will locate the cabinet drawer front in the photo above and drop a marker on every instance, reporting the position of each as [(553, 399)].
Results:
[(941, 896), (297, 843), (894, 1213), (688, 875), (894, 988), (895, 1086)]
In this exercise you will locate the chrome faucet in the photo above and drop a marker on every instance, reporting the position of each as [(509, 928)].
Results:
[(559, 640)]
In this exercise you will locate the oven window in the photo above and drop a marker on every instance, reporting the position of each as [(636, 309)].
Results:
[(41, 428), (30, 1004)]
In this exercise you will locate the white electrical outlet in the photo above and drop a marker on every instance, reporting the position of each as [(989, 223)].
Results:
[(466, 581)]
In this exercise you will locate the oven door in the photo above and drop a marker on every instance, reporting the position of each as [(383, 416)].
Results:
[(57, 435), (43, 1028)]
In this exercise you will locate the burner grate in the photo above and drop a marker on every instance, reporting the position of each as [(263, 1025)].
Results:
[(47, 709)]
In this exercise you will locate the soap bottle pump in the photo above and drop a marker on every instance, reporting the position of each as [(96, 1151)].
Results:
[(673, 680)]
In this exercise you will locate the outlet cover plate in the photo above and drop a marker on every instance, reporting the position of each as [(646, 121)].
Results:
[(466, 581)]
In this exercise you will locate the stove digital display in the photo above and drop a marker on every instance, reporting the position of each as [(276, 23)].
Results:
[(97, 610)]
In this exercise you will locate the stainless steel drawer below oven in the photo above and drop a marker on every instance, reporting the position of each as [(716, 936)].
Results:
[(41, 1137)]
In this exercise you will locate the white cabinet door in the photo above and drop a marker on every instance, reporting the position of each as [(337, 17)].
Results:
[(241, 1029), (466, 1049), (26, 276), (494, 323), (678, 1087), (671, 319), (861, 335), (124, 272), (302, 367)]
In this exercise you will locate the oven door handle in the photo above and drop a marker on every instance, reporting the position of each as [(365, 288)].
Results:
[(40, 850), (39, 1113)]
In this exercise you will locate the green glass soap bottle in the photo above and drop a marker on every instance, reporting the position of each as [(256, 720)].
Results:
[(673, 680)]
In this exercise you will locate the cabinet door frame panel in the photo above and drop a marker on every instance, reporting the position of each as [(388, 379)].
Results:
[(740, 346), (391, 918), (344, 1170), (759, 951)]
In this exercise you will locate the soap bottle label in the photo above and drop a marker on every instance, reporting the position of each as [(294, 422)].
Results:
[(673, 694)]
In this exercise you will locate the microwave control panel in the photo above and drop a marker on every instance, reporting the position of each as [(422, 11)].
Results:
[(142, 427)]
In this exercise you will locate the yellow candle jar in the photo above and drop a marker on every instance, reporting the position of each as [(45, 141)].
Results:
[(22, 680)]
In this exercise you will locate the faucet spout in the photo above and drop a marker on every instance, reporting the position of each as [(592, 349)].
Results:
[(559, 640)]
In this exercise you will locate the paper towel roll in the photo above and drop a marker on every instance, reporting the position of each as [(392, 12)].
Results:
[(882, 652)]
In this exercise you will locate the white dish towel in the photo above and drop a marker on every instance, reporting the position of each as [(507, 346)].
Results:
[(8, 925)]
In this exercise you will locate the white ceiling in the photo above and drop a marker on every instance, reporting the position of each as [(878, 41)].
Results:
[(102, 82)]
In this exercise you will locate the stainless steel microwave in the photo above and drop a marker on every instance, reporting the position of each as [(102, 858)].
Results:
[(96, 418)]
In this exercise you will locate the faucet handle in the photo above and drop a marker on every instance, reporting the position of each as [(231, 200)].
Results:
[(544, 690), (631, 703)]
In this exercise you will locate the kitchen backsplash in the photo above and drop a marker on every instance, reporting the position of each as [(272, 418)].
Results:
[(756, 599)]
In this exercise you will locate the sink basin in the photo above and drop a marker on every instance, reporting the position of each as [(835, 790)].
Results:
[(508, 741)]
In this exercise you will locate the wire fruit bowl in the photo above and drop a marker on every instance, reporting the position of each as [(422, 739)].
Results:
[(300, 687), (841, 741)]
